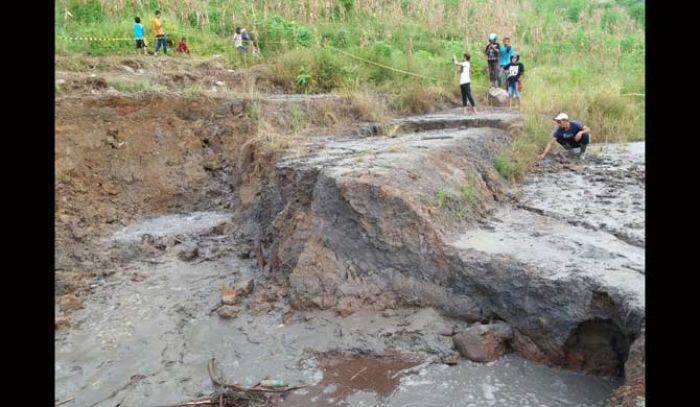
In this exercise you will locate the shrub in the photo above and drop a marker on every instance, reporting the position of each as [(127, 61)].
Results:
[(504, 165)]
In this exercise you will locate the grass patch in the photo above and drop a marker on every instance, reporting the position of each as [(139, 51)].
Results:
[(504, 164), (469, 193)]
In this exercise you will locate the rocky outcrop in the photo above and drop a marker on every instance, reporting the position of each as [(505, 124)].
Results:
[(483, 343), (497, 97), (421, 220), (632, 393)]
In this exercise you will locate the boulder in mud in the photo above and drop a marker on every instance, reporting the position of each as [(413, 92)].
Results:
[(229, 296), (635, 366), (632, 393), (228, 311), (497, 97), (62, 322), (245, 287), (451, 359), (70, 302), (483, 343), (188, 253)]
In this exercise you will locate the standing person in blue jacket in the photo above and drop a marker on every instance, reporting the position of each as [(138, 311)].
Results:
[(139, 34), (506, 51)]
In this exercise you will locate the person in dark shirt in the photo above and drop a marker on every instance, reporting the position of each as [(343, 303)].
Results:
[(514, 71), (492, 52), (569, 134)]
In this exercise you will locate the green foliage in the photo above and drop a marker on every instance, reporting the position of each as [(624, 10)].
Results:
[(574, 10), (254, 111), (637, 11), (441, 196), (469, 193), (88, 12), (382, 49), (348, 5), (303, 36), (303, 79), (329, 71), (504, 165)]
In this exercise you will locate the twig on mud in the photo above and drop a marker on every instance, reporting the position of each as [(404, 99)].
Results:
[(259, 255), (413, 369), (215, 309), (151, 261), (202, 402), (355, 375), (58, 403), (256, 388)]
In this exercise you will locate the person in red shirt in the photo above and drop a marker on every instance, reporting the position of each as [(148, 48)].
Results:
[(182, 47)]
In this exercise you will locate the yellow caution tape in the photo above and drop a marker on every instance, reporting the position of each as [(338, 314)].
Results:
[(96, 39)]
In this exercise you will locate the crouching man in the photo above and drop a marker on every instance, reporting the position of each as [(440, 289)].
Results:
[(570, 135)]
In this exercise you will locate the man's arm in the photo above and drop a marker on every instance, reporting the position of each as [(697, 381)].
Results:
[(549, 146), (581, 132)]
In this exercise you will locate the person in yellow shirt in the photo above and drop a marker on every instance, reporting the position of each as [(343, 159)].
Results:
[(160, 34)]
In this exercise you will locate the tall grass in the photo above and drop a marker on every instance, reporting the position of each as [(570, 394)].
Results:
[(582, 57)]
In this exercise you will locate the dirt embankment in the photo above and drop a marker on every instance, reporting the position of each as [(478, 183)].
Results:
[(123, 157)]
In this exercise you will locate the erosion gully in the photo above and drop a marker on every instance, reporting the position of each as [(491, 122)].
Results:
[(147, 332)]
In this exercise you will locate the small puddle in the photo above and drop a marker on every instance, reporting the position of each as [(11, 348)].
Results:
[(345, 375)]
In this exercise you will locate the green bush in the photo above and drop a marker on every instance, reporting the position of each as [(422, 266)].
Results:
[(303, 79), (504, 165)]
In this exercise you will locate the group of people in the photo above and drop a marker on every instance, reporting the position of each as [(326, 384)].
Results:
[(161, 40), (504, 68), (242, 39)]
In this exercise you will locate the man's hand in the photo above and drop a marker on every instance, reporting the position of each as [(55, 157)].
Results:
[(578, 136), (540, 157)]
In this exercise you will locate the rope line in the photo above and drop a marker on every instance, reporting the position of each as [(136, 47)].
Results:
[(384, 66), (365, 60)]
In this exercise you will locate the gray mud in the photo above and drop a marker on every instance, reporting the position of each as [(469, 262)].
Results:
[(604, 192), (147, 332), (146, 335), (577, 218)]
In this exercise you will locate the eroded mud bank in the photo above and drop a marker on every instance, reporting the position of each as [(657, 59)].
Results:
[(379, 247)]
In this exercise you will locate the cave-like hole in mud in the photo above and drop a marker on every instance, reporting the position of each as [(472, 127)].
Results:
[(597, 347)]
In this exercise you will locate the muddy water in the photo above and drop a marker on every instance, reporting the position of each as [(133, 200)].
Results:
[(147, 332)]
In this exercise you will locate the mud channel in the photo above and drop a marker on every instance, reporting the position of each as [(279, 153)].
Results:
[(147, 332)]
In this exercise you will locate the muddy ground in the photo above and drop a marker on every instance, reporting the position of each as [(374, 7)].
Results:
[(354, 266), (147, 332)]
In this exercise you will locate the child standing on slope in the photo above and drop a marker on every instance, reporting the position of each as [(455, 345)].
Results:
[(139, 34), (465, 81), (160, 34), (515, 70), (506, 51)]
